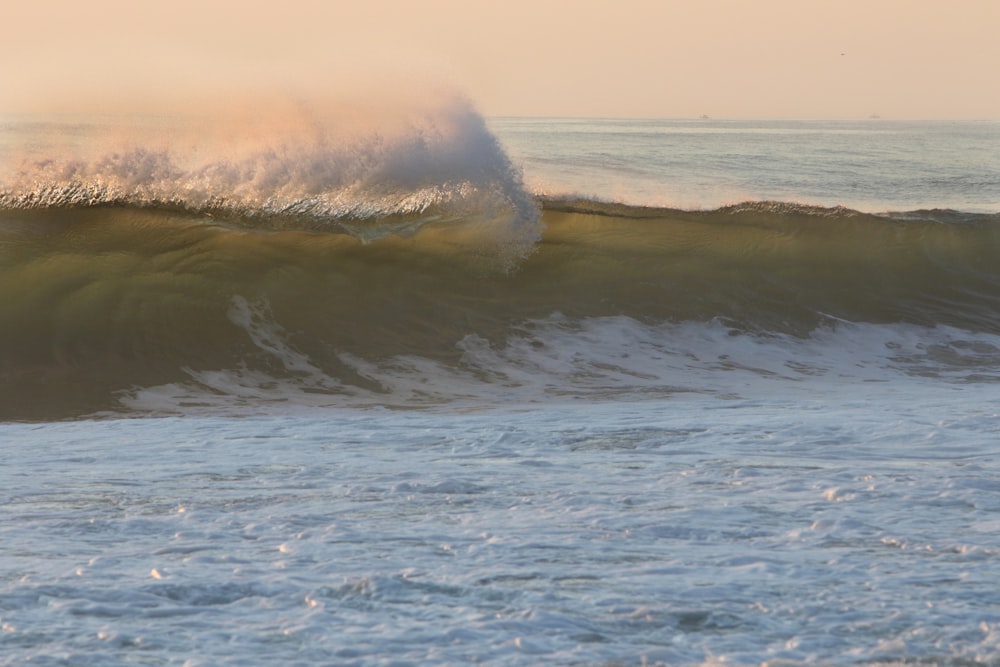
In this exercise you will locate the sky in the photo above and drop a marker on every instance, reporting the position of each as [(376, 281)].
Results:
[(609, 58)]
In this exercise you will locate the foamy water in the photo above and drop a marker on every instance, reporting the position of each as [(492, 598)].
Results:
[(687, 531)]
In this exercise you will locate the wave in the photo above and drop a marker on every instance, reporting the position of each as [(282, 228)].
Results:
[(124, 307), (406, 264), (775, 212)]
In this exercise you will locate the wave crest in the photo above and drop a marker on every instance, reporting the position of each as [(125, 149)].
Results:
[(307, 167)]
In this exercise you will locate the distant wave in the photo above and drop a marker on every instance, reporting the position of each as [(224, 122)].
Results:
[(774, 211)]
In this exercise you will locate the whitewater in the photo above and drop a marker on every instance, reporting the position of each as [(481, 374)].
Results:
[(324, 387)]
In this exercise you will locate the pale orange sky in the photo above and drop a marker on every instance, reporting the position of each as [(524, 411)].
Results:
[(646, 58)]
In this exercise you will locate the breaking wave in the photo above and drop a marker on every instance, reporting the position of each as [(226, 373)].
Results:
[(298, 168), (318, 259), (145, 309)]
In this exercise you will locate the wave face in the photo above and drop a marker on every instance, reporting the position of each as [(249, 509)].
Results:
[(126, 306)]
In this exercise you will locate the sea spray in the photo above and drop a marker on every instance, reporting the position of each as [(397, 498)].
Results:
[(327, 166)]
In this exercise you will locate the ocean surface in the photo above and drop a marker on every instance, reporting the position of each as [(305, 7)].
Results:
[(310, 387)]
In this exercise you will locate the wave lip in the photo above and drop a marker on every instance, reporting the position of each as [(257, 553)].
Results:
[(435, 164)]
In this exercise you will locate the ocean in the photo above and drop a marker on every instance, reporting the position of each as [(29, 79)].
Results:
[(316, 387)]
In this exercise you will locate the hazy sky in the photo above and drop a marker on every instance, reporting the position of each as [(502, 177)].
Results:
[(651, 58)]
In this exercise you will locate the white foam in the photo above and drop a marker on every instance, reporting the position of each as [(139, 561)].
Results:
[(683, 531), (559, 359)]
